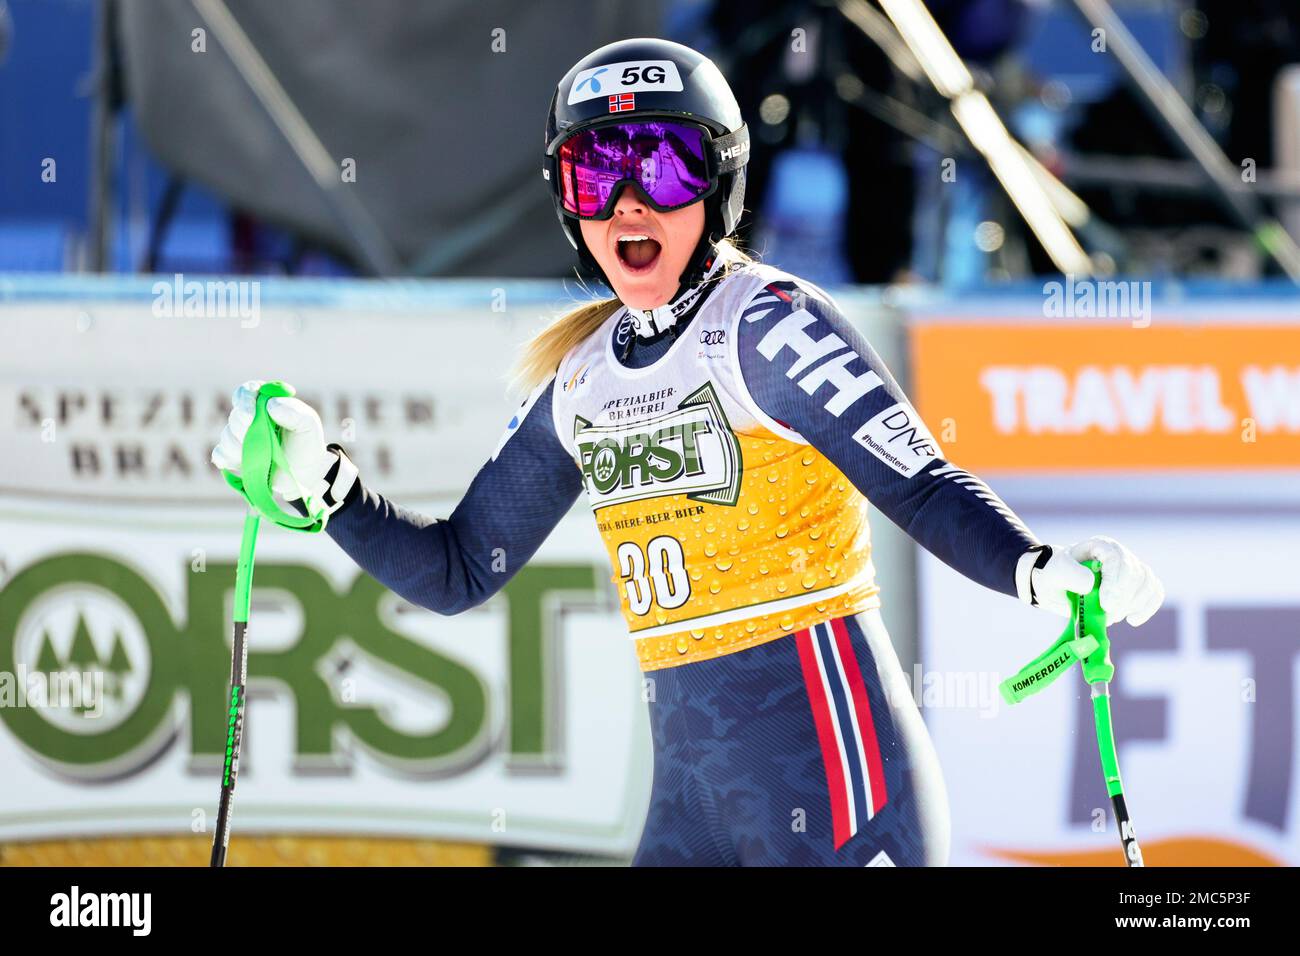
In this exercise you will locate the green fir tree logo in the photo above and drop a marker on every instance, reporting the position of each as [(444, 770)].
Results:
[(81, 659)]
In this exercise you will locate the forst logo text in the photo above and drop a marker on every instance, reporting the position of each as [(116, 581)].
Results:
[(643, 458), (168, 659), (690, 451)]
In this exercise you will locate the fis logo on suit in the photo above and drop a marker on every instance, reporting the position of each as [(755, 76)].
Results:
[(578, 378), (690, 450)]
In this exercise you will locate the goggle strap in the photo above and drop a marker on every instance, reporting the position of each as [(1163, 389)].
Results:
[(732, 150)]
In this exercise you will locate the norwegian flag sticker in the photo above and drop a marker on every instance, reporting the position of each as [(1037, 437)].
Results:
[(620, 102)]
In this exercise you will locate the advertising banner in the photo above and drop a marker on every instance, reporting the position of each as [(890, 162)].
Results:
[(1203, 701), (1085, 396), (518, 724), (1180, 439)]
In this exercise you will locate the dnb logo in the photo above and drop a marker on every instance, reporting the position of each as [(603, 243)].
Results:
[(691, 450), (354, 682), (899, 438)]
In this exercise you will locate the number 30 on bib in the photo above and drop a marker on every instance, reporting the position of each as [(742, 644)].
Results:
[(654, 576)]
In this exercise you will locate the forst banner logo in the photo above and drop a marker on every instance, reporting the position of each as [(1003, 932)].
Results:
[(690, 451), (95, 613)]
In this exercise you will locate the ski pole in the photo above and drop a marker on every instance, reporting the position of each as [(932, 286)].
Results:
[(1084, 640), (238, 677), (261, 454)]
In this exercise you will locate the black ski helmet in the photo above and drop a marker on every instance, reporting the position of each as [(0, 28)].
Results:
[(703, 97)]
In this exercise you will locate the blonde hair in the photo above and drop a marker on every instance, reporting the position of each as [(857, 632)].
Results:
[(542, 354)]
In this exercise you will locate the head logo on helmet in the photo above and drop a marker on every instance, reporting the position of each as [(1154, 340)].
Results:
[(651, 79)]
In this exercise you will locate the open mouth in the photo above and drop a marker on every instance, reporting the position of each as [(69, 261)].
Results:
[(638, 253)]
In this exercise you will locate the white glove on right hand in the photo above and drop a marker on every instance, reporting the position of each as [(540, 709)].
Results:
[(302, 438), (1129, 589)]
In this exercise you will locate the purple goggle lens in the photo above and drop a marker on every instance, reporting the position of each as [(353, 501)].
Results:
[(666, 159)]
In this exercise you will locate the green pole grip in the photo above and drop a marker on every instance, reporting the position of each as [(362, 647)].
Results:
[(1106, 739), (262, 454), (244, 570), (1084, 639), (1090, 621)]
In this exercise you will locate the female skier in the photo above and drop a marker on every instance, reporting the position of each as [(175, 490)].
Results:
[(729, 427)]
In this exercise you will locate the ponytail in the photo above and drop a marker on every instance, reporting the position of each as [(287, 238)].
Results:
[(545, 350)]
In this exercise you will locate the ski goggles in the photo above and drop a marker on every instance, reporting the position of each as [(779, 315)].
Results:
[(672, 162)]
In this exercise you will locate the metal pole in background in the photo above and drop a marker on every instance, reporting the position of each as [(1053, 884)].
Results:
[(982, 126), (372, 246), (1170, 109), (107, 92), (1286, 141)]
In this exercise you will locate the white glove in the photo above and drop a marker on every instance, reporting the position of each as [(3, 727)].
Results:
[(1129, 591), (303, 442)]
